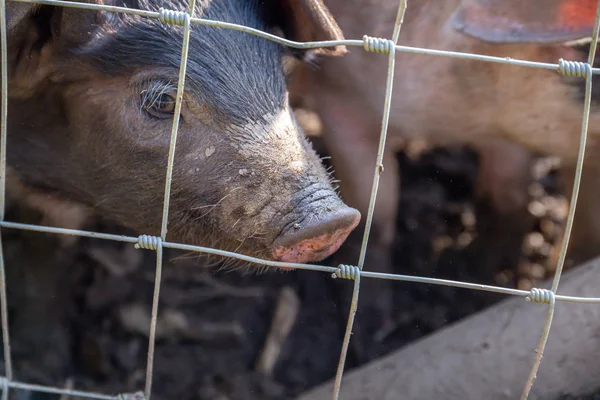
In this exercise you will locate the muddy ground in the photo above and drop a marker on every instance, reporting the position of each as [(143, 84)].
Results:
[(214, 324)]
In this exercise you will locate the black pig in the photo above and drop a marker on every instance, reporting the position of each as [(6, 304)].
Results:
[(91, 102)]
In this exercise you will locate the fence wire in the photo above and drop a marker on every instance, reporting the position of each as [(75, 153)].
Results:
[(583, 70)]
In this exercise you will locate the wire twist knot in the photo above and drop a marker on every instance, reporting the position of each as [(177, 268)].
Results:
[(541, 296), (148, 242), (173, 17), (346, 272), (574, 68), (378, 45), (132, 396)]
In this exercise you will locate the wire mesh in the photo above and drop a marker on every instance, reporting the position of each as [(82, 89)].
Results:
[(379, 45)]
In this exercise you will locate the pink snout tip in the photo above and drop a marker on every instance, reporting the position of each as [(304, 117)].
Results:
[(317, 240)]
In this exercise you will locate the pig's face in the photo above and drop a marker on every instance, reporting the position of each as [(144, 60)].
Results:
[(245, 178)]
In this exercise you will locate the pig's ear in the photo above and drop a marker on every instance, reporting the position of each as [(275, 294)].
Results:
[(526, 21), (42, 36), (306, 21)]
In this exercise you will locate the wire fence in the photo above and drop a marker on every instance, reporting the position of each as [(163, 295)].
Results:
[(582, 70)]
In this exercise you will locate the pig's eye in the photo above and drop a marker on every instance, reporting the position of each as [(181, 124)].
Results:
[(165, 104), (162, 106)]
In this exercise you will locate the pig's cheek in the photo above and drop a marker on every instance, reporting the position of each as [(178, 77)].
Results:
[(196, 158)]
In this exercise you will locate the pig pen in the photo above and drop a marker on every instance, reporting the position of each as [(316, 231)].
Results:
[(214, 324)]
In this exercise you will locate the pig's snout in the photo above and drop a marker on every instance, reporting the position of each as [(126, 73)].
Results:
[(316, 239)]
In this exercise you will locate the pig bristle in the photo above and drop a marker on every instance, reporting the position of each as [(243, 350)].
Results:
[(228, 263), (211, 207), (188, 255), (151, 91), (242, 267)]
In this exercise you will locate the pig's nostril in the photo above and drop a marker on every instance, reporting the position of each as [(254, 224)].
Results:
[(318, 239)]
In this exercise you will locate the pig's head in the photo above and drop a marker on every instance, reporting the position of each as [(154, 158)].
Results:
[(92, 100)]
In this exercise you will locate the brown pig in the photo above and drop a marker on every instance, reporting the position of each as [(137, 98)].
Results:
[(507, 112), (91, 105)]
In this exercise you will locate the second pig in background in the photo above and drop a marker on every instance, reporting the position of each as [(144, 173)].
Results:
[(508, 113)]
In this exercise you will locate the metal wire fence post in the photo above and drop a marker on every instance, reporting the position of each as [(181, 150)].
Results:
[(585, 71), (182, 19), (387, 47), (3, 139)]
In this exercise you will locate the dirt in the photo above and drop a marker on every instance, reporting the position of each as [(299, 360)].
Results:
[(214, 323)]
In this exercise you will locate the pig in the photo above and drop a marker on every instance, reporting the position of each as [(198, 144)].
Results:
[(509, 114), (91, 105)]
